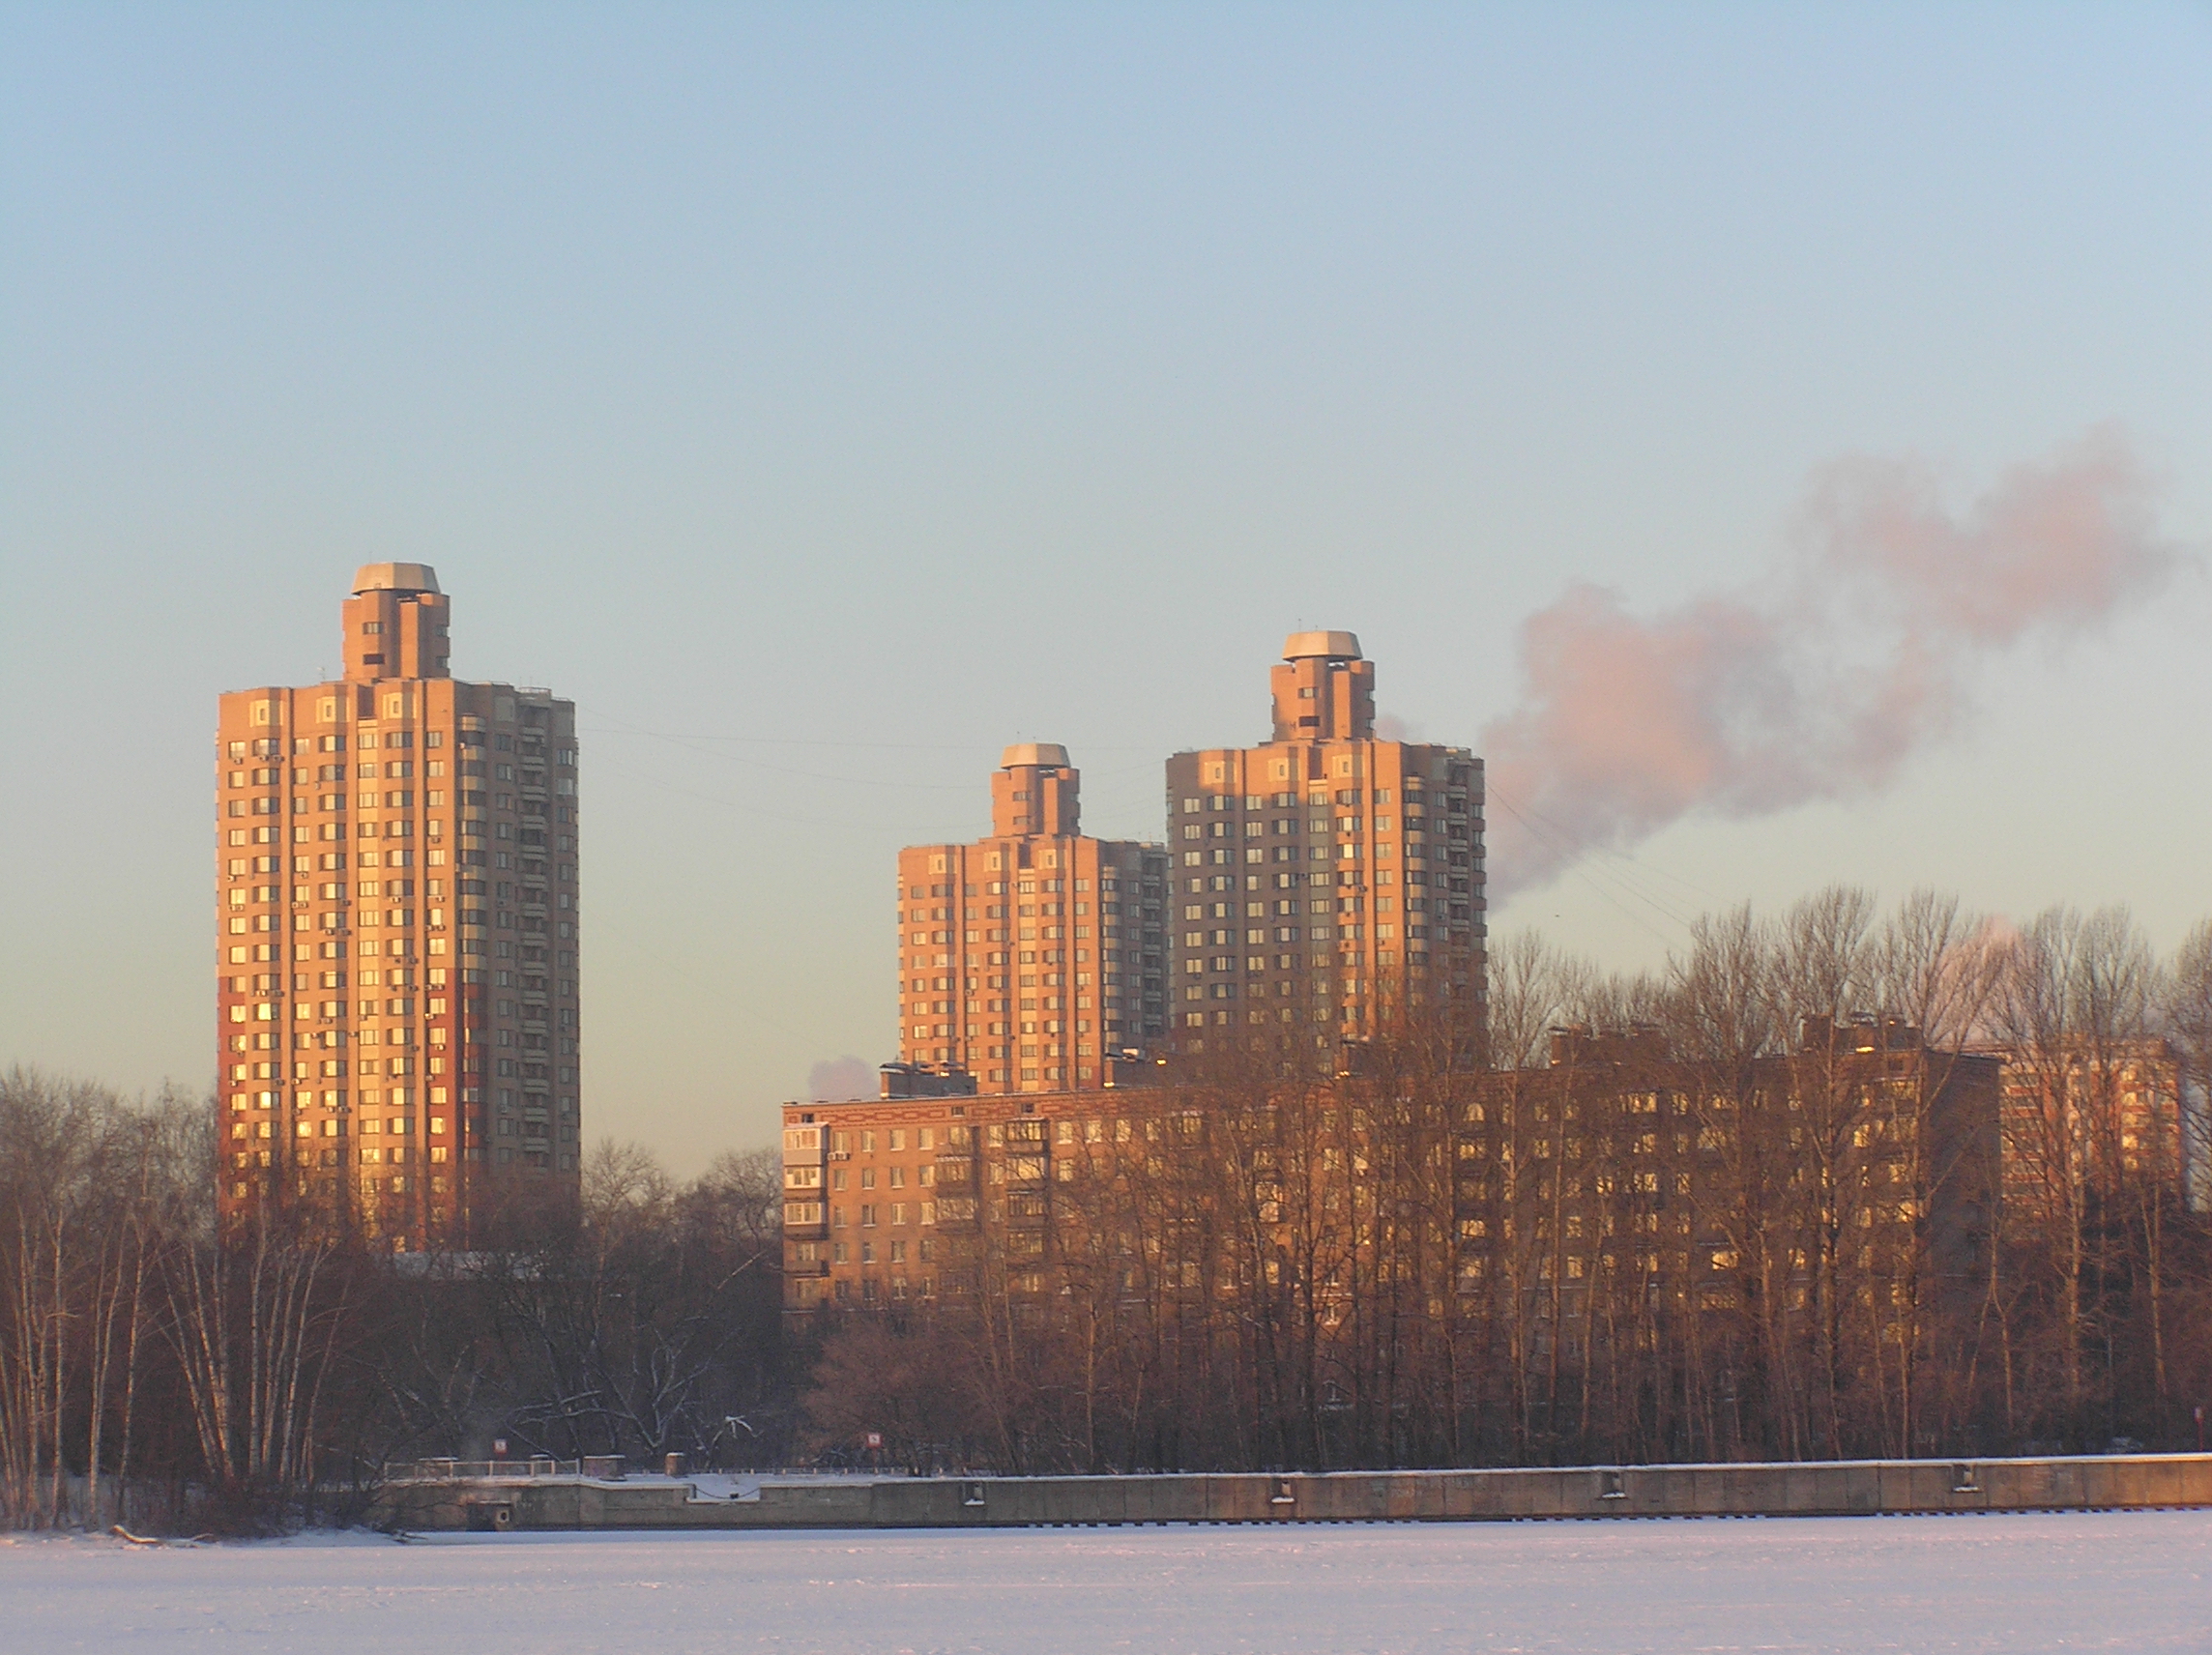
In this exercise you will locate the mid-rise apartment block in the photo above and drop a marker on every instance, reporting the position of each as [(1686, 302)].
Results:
[(884, 1203), (1623, 1170), (1329, 880), (1033, 959), (397, 935), (1588, 1200), (2089, 1121)]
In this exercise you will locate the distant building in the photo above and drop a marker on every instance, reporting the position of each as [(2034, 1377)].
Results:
[(1034, 957), (398, 929), (1329, 880), (1593, 1198), (1316, 887), (1623, 1163), (2089, 1120), (884, 1199)]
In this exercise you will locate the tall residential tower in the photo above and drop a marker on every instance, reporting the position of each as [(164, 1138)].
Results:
[(398, 922), (1032, 959), (1329, 880)]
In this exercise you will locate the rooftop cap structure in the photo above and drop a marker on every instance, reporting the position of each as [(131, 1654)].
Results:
[(394, 577), (1045, 753), (1327, 646)]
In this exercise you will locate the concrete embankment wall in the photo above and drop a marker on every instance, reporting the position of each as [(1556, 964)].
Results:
[(1854, 1488)]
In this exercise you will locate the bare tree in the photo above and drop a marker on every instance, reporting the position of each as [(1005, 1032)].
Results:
[(2076, 1000), (2186, 1018), (82, 1175)]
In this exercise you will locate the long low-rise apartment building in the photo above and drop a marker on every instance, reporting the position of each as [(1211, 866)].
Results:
[(1854, 1177)]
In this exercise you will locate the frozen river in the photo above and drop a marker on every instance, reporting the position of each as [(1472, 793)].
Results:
[(2135, 1582)]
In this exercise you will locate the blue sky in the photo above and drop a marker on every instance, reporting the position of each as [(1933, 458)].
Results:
[(825, 397)]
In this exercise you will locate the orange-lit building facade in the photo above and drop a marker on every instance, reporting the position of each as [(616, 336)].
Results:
[(2089, 1121), (1327, 879), (1034, 959), (1583, 1198), (928, 1204), (398, 934), (883, 1201)]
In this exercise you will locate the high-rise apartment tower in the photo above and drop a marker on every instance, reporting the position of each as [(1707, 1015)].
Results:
[(397, 919), (1033, 959), (1329, 880)]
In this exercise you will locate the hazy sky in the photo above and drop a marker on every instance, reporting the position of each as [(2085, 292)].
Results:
[(824, 397)]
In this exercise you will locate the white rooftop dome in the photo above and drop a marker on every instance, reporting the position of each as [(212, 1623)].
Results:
[(394, 577), (1330, 645), (1045, 753)]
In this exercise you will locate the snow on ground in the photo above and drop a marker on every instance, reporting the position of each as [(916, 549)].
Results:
[(2137, 1581)]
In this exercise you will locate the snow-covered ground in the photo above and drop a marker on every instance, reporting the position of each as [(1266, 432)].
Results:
[(2132, 1581)]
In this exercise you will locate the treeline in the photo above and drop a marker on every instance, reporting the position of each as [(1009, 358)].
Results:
[(1679, 1230), (154, 1371)]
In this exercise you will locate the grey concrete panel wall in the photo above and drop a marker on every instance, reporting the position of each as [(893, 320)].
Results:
[(1801, 1488), (1141, 1501), (2195, 1475), (818, 1505)]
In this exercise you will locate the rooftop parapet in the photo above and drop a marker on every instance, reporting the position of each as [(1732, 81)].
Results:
[(394, 577)]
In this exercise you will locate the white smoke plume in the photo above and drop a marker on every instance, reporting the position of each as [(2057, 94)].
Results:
[(841, 1080), (1820, 683)]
